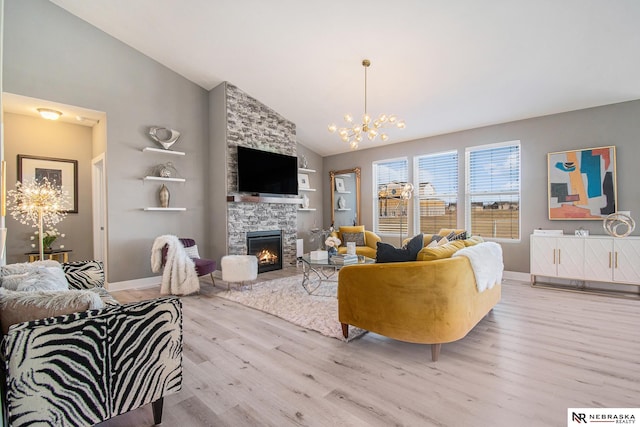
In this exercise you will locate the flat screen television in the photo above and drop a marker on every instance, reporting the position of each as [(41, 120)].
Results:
[(264, 172)]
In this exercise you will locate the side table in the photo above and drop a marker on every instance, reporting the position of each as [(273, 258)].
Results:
[(60, 255)]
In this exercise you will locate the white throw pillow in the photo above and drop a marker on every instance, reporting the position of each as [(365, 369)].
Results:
[(41, 279), (432, 244), (443, 241), (192, 251)]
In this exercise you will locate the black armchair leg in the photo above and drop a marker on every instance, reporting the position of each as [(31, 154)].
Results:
[(157, 410)]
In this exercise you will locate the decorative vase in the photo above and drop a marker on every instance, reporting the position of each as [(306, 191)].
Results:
[(332, 250), (164, 196), (342, 203), (305, 201)]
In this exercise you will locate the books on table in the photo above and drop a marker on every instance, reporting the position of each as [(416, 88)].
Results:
[(344, 259)]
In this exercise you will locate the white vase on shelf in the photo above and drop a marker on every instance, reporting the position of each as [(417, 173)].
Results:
[(305, 201), (342, 203)]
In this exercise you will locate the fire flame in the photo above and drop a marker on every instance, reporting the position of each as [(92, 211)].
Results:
[(265, 256)]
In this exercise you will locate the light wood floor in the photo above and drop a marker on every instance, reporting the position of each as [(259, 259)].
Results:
[(538, 353)]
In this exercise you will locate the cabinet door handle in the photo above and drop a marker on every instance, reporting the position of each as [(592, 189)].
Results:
[(558, 256), (554, 256), (616, 259), (609, 259)]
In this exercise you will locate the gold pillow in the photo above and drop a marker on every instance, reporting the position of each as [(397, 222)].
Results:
[(473, 240), (447, 231), (440, 252)]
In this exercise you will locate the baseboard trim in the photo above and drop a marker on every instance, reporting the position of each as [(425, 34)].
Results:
[(146, 282), (516, 275)]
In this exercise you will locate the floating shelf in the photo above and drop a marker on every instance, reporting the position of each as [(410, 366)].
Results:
[(161, 178), (306, 170), (306, 189), (342, 210), (307, 209), (160, 150), (165, 209), (343, 192)]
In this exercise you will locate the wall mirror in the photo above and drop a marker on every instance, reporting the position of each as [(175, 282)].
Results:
[(345, 197)]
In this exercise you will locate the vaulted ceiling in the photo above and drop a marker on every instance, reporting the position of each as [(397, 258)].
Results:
[(441, 65)]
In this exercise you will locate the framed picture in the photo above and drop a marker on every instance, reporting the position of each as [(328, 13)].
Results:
[(582, 183), (303, 180), (61, 173), (340, 185)]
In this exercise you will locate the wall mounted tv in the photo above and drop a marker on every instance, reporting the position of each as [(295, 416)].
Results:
[(264, 172)]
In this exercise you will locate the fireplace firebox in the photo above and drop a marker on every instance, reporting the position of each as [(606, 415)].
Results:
[(267, 247)]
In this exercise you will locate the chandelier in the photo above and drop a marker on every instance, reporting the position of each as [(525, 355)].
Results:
[(353, 133)]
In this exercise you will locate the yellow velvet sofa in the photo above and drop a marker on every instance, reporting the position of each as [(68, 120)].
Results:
[(370, 240), (434, 300)]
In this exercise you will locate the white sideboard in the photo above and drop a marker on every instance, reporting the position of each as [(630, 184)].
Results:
[(590, 258)]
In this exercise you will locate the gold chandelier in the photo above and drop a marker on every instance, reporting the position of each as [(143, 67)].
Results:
[(354, 133)]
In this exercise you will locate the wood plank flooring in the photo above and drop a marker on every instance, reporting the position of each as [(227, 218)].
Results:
[(538, 353)]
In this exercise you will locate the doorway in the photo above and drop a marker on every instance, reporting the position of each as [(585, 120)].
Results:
[(99, 208)]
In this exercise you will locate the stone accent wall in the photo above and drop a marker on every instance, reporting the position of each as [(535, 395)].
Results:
[(252, 124)]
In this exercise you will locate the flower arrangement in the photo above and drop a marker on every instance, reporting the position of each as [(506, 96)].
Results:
[(332, 242), (48, 237)]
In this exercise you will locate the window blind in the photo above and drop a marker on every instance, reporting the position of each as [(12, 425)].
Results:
[(390, 176), (493, 191), (437, 191)]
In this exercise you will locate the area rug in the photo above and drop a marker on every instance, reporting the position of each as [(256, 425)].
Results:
[(287, 299)]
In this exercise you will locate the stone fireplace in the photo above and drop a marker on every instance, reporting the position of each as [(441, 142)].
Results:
[(253, 124), (267, 247)]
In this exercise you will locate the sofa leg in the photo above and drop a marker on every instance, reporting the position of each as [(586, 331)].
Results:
[(212, 279), (345, 330), (435, 351), (157, 410)]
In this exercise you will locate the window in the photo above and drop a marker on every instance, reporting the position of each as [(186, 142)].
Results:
[(436, 191), (389, 177), (493, 190)]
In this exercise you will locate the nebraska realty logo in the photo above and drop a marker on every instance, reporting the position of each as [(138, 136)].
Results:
[(602, 416)]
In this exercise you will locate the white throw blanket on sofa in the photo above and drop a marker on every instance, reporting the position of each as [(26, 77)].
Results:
[(486, 262), (179, 276)]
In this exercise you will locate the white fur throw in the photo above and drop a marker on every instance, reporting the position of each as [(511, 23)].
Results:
[(179, 276), (47, 275), (51, 300), (486, 262)]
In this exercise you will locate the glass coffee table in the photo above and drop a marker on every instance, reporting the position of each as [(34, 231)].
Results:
[(317, 272)]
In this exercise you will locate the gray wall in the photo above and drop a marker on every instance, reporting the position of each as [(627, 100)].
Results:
[(87, 68), (34, 136), (615, 124), (308, 220)]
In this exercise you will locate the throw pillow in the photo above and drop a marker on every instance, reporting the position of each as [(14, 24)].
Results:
[(84, 274), (358, 238), (18, 307), (440, 252), (38, 279), (473, 240), (388, 253), (350, 229), (457, 236), (192, 251), (442, 241)]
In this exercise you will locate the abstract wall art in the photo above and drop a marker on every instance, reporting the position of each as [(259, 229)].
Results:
[(582, 183)]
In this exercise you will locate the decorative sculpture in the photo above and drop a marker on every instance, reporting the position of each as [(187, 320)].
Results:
[(616, 220), (164, 196), (163, 136)]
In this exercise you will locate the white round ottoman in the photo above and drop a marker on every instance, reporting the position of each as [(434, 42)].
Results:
[(239, 268)]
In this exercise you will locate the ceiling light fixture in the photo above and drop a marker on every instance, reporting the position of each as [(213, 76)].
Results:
[(353, 133), (49, 114)]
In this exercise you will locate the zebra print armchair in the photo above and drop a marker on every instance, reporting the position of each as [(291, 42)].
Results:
[(83, 368)]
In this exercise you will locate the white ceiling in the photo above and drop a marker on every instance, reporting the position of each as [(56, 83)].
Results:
[(441, 65)]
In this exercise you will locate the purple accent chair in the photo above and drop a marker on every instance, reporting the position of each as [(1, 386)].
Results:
[(203, 266)]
